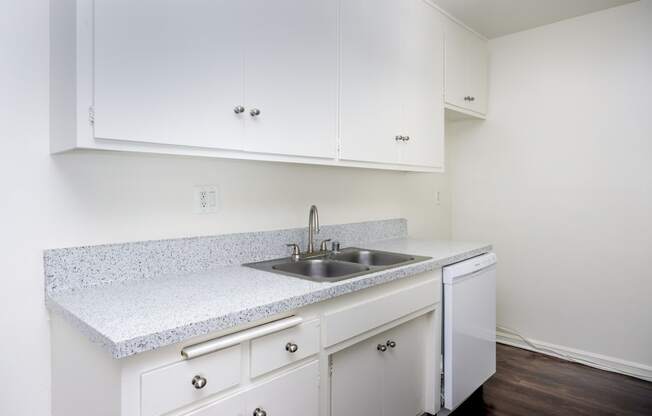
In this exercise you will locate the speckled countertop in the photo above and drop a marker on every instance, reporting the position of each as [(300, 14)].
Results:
[(134, 316)]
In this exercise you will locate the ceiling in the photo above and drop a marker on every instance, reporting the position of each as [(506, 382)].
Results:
[(493, 18)]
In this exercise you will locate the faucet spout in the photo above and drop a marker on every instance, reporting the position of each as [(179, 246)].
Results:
[(313, 228)]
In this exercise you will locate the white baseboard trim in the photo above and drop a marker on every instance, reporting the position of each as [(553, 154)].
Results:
[(602, 362)]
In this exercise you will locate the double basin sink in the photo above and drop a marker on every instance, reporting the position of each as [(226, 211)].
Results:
[(332, 267)]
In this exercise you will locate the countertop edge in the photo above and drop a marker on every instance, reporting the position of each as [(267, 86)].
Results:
[(156, 340)]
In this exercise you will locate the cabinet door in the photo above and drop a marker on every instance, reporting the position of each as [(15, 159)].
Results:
[(405, 369), (477, 73), (356, 380), (423, 85), (370, 104), (292, 394), (232, 406), (291, 77), (169, 71), (456, 64), (466, 68)]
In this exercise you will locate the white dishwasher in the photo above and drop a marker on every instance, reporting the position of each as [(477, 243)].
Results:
[(469, 327)]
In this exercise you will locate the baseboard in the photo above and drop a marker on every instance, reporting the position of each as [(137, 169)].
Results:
[(602, 362)]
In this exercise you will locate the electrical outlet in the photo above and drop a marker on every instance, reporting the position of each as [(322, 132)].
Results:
[(207, 199)]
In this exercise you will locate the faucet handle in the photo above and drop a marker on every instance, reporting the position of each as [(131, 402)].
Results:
[(296, 251), (335, 246), (324, 245), (295, 248)]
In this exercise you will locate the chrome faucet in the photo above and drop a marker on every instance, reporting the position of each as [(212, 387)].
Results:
[(313, 228)]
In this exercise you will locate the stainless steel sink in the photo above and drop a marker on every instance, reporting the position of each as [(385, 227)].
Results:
[(372, 258), (321, 268), (332, 267)]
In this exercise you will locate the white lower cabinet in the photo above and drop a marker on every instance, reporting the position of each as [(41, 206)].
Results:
[(295, 393), (384, 375), (382, 344)]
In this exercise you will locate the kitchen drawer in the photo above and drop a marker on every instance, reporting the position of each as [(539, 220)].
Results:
[(171, 387), (295, 393), (273, 351), (358, 318)]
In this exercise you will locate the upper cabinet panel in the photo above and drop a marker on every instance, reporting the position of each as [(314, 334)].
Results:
[(371, 61), (346, 83), (391, 108), (466, 70), (423, 85), (291, 77), (169, 72)]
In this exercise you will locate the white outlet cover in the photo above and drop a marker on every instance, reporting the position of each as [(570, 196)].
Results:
[(206, 199)]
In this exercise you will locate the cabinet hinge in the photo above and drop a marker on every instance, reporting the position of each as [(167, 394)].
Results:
[(441, 395), (330, 366), (91, 115)]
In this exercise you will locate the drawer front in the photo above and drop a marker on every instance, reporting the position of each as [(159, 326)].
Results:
[(231, 406), (295, 393), (171, 387), (356, 319), (275, 350)]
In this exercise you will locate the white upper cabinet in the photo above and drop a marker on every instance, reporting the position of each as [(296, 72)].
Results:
[(168, 72), (466, 70), (391, 107), (174, 72), (370, 104), (346, 83), (291, 77), (423, 86)]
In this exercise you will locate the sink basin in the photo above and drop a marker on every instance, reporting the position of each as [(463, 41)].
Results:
[(321, 269), (332, 267), (372, 258)]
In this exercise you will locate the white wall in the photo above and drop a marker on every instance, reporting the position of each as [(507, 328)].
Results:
[(559, 177), (89, 198)]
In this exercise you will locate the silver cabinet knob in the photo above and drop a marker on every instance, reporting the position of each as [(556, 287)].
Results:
[(399, 138), (291, 347), (406, 138), (381, 348), (254, 112), (239, 109), (260, 412), (199, 382), (391, 344)]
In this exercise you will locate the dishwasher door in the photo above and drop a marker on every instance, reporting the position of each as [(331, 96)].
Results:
[(469, 327)]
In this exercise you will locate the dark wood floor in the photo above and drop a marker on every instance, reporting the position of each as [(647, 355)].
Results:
[(527, 383)]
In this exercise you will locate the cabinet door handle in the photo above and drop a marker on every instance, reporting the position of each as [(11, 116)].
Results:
[(239, 109), (260, 412), (399, 138), (391, 344), (254, 112), (381, 347), (406, 138), (199, 382), (291, 347)]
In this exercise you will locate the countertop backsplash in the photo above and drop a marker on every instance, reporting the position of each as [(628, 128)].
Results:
[(70, 269)]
